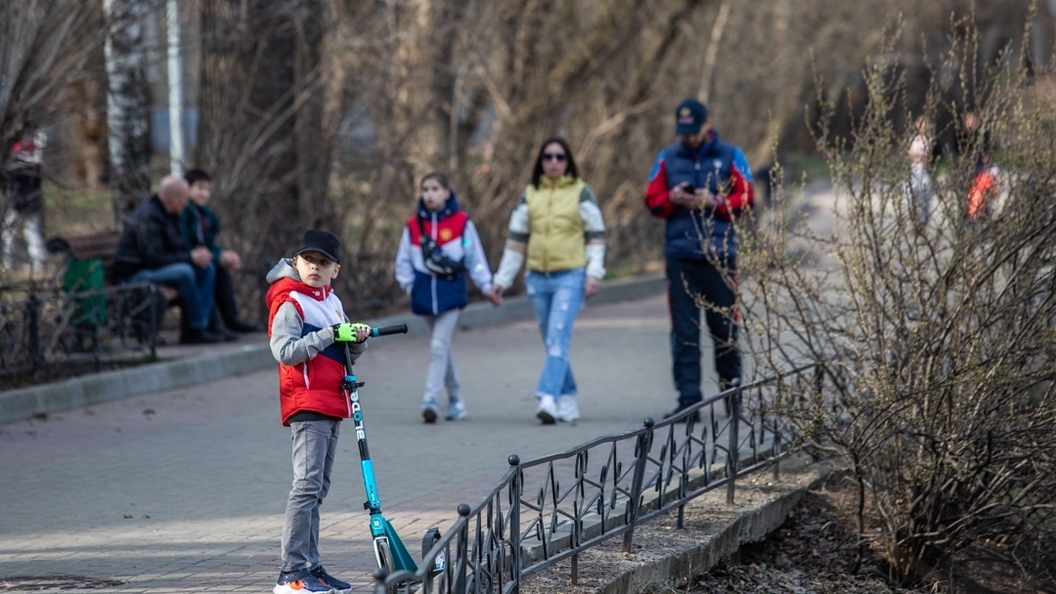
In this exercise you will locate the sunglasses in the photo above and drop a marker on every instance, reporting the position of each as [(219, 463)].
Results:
[(559, 157)]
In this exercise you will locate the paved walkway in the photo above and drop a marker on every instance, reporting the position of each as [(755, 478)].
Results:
[(183, 489)]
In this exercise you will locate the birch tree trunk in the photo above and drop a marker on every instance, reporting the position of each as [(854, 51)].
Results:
[(127, 107)]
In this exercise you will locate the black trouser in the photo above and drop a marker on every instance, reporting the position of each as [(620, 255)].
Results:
[(693, 285), (225, 297), (225, 310)]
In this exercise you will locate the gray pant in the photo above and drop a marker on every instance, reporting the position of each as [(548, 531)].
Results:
[(314, 446), (441, 367)]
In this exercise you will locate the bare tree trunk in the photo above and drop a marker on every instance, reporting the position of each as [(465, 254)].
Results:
[(127, 107), (262, 132)]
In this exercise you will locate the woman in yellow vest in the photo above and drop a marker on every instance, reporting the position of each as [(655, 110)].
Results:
[(558, 227)]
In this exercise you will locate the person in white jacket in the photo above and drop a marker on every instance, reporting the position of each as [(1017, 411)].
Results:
[(438, 249)]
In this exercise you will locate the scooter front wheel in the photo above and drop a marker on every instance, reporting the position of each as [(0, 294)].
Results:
[(383, 555), (386, 561)]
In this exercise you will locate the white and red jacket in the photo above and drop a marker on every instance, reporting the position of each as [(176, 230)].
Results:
[(451, 228), (311, 364)]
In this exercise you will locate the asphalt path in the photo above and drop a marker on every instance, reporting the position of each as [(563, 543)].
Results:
[(184, 490)]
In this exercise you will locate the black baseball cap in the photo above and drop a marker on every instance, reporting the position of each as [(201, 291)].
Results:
[(689, 117), (324, 242)]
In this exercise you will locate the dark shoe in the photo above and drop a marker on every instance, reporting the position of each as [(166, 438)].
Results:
[(300, 582), (244, 327), (200, 337), (429, 412), (339, 586), (217, 327), (694, 416), (222, 331)]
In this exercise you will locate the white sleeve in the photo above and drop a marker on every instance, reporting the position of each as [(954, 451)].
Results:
[(519, 233), (476, 259), (404, 266), (594, 229), (596, 260), (509, 266)]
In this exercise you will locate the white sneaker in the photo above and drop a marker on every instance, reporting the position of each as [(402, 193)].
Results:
[(456, 411), (547, 411), (567, 409)]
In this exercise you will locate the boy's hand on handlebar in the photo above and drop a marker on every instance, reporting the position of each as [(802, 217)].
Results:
[(354, 333)]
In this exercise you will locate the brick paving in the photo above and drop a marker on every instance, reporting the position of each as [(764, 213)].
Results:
[(184, 490)]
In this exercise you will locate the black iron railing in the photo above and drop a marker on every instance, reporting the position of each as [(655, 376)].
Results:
[(42, 330), (553, 508)]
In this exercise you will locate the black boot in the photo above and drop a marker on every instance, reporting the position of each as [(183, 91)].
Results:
[(217, 327), (225, 302), (199, 336)]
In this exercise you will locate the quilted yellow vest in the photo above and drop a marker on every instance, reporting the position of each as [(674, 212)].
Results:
[(557, 241)]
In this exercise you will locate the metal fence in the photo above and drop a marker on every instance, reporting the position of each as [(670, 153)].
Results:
[(553, 508), (41, 330)]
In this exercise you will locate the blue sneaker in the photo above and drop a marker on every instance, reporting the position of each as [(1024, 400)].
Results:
[(299, 582), (339, 586), (456, 411)]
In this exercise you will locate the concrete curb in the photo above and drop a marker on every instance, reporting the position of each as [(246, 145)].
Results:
[(664, 557), (86, 390), (211, 364), (728, 529)]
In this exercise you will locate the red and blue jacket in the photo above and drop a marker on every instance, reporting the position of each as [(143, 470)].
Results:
[(721, 168), (311, 364), (451, 228)]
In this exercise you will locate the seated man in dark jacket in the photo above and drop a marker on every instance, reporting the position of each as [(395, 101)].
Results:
[(151, 249)]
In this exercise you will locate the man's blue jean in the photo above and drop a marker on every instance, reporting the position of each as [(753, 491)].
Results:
[(193, 283), (314, 446), (556, 299)]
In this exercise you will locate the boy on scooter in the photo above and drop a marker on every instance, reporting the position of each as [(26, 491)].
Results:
[(309, 332)]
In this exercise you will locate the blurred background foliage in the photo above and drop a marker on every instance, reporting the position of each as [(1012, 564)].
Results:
[(328, 112)]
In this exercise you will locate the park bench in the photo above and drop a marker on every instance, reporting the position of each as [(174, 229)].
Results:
[(87, 277)]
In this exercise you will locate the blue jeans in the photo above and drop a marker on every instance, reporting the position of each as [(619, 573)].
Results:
[(193, 283), (556, 299), (314, 446)]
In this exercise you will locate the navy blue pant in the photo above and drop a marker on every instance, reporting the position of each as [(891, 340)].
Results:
[(693, 285)]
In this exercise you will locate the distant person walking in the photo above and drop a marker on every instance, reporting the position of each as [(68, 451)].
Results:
[(920, 190), (698, 187), (24, 199), (982, 191), (558, 227), (982, 194), (438, 249)]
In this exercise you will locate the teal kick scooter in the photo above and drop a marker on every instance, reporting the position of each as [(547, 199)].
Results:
[(389, 551)]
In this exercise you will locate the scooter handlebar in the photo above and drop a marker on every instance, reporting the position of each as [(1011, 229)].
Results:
[(387, 330)]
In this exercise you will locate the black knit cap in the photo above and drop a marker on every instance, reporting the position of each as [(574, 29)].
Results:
[(324, 242)]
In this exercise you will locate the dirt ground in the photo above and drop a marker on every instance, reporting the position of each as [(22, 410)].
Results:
[(812, 552)]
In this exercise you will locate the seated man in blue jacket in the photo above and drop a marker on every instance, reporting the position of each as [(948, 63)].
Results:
[(151, 249)]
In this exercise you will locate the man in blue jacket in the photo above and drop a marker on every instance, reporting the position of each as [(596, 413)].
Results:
[(699, 186)]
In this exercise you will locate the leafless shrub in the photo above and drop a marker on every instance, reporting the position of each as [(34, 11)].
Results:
[(940, 339)]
